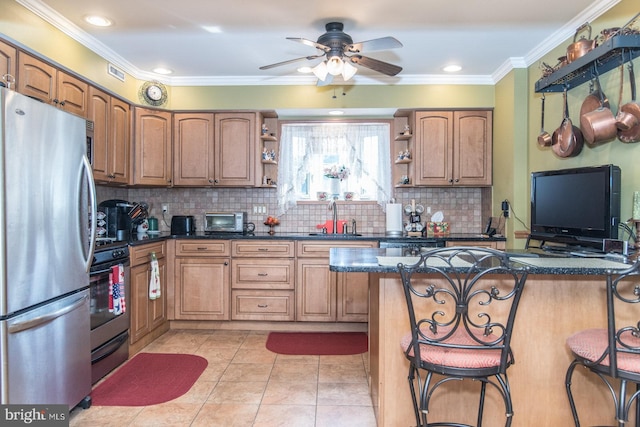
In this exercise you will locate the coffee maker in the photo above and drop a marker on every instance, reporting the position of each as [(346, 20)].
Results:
[(118, 221)]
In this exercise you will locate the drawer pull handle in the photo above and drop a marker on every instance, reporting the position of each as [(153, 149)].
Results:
[(263, 305), (263, 274), (202, 249), (264, 249)]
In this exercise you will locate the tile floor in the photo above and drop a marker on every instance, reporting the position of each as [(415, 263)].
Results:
[(247, 385)]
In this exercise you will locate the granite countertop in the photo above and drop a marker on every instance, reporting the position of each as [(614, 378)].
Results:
[(138, 239), (385, 261)]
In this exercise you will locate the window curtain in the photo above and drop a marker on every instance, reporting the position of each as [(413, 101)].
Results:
[(299, 142)]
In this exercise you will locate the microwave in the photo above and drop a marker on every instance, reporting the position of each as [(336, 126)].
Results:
[(224, 222)]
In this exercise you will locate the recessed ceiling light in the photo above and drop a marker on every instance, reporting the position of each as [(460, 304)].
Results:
[(212, 29), (98, 21), (305, 70), (336, 113), (452, 68), (162, 70)]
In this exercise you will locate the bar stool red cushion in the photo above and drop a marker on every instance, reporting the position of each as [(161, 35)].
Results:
[(479, 357), (590, 344)]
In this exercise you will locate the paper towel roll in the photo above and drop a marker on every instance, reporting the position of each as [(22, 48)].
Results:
[(394, 219), (636, 205)]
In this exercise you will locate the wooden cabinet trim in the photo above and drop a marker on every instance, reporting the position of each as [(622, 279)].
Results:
[(202, 248), (254, 249)]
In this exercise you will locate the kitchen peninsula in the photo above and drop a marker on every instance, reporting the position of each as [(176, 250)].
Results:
[(561, 296)]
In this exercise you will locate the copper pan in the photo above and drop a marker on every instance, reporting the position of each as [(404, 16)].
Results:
[(569, 138), (544, 139), (628, 112)]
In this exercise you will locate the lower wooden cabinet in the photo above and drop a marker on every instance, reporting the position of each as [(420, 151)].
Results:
[(478, 243), (326, 296), (146, 315), (263, 280), (202, 280)]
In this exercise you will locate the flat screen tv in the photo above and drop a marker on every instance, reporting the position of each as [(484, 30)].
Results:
[(577, 207)]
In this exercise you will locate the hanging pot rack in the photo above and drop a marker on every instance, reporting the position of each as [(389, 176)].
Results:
[(609, 55)]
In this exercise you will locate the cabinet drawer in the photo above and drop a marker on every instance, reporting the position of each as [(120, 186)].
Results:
[(253, 273), (247, 248), (141, 254), (202, 247), (262, 305), (478, 243), (316, 249)]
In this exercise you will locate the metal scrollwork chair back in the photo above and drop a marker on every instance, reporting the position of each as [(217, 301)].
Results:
[(613, 352), (462, 306)]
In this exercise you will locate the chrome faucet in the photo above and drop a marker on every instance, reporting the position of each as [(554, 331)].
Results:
[(334, 207)]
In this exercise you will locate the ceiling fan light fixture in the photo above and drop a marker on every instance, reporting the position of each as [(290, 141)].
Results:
[(335, 65), (320, 70), (348, 71)]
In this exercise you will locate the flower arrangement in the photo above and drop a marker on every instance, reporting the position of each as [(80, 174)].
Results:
[(337, 172)]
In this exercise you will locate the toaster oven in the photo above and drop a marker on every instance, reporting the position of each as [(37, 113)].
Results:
[(224, 222)]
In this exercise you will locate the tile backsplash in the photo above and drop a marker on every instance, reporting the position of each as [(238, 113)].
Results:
[(464, 208)]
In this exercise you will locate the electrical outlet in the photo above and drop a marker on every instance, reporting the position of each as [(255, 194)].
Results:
[(505, 208), (165, 208)]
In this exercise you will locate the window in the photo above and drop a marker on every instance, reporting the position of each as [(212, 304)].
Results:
[(356, 152)]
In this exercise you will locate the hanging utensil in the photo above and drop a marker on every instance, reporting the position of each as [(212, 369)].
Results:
[(598, 126), (631, 108), (569, 138), (544, 139)]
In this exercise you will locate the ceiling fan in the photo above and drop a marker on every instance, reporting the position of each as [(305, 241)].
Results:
[(340, 52)]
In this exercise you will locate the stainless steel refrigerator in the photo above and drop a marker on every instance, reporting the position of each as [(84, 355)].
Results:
[(47, 200)]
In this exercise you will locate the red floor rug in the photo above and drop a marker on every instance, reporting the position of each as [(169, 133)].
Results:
[(149, 379), (317, 343)]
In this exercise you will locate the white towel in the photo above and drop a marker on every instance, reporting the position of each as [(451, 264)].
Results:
[(154, 281)]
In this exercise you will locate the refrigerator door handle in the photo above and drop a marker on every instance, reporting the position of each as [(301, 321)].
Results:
[(94, 210), (40, 320)]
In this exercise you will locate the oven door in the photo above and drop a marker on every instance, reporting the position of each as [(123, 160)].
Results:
[(104, 323)]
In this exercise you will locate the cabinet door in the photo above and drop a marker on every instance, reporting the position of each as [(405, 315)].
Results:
[(8, 55), (193, 149), (152, 153), (315, 291), (473, 148), (434, 148), (72, 94), (158, 307), (202, 288), (119, 141), (235, 149), (139, 305), (36, 78), (353, 297), (99, 114)]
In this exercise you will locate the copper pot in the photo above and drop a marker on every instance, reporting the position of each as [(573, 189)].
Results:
[(629, 114), (580, 48), (598, 126)]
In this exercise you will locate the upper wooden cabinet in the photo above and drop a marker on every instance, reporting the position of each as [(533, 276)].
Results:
[(111, 139), (453, 148), (8, 55), (152, 148), (214, 149), (43, 81)]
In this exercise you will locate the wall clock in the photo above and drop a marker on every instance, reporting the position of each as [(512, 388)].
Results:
[(153, 93)]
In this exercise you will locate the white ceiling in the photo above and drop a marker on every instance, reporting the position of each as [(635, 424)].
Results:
[(486, 37)]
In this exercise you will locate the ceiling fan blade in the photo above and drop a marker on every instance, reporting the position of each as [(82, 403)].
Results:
[(326, 82), (277, 64), (382, 43), (310, 43), (375, 65)]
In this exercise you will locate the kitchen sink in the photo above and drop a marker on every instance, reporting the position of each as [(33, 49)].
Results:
[(335, 235)]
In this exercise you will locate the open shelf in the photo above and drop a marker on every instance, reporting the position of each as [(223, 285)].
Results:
[(609, 55)]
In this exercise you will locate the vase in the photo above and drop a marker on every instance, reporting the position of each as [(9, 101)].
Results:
[(335, 188)]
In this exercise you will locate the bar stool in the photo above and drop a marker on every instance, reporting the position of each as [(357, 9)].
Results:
[(613, 353), (461, 316)]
